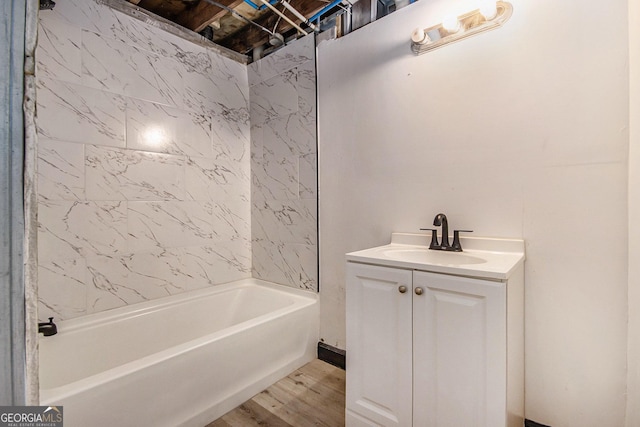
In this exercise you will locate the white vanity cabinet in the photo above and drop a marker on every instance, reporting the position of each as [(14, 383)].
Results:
[(459, 351), (379, 343), (433, 349)]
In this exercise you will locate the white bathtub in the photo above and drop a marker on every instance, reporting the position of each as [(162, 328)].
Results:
[(181, 360)]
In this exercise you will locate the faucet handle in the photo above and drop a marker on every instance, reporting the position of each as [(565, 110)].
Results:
[(434, 238), (456, 246)]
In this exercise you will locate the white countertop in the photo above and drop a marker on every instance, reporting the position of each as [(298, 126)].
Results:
[(482, 257)]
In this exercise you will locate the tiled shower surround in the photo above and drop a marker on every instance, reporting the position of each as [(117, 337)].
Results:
[(144, 177), (283, 166)]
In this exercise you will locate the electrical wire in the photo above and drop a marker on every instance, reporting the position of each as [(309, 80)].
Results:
[(275, 27), (293, 24)]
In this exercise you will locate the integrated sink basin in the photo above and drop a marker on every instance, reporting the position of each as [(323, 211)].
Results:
[(427, 256), (482, 257)]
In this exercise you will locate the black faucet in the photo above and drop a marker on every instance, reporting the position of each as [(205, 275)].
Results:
[(441, 221), (47, 328)]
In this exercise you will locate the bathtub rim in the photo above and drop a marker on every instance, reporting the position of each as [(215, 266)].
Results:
[(302, 300), (143, 307)]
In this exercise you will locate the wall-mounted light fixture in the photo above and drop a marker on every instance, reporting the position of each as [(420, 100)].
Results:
[(489, 16)]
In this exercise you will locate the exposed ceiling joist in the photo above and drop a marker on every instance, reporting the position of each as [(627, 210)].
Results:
[(198, 17), (168, 9), (250, 36), (239, 31)]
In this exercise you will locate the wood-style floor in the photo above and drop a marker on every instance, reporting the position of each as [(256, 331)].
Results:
[(311, 396)]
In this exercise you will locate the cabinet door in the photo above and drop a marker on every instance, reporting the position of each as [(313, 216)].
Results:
[(378, 346), (459, 351)]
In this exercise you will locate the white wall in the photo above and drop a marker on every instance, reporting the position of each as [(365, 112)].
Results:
[(519, 132), (633, 377)]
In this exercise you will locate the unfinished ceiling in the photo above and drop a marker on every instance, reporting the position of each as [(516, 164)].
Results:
[(226, 22)]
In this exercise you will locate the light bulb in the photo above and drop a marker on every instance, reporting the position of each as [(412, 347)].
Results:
[(488, 9), (418, 36), (451, 23)]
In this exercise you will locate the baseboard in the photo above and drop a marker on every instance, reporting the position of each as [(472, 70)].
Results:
[(529, 423), (333, 355)]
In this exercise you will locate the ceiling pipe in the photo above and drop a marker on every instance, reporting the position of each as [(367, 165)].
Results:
[(261, 7), (276, 40), (299, 15), (282, 15), (290, 8), (244, 18), (258, 52)]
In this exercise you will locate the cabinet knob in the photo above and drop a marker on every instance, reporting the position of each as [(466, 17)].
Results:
[(419, 291), (402, 289)]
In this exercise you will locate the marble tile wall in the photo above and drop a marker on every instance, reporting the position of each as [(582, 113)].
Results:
[(284, 204), (143, 162)]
